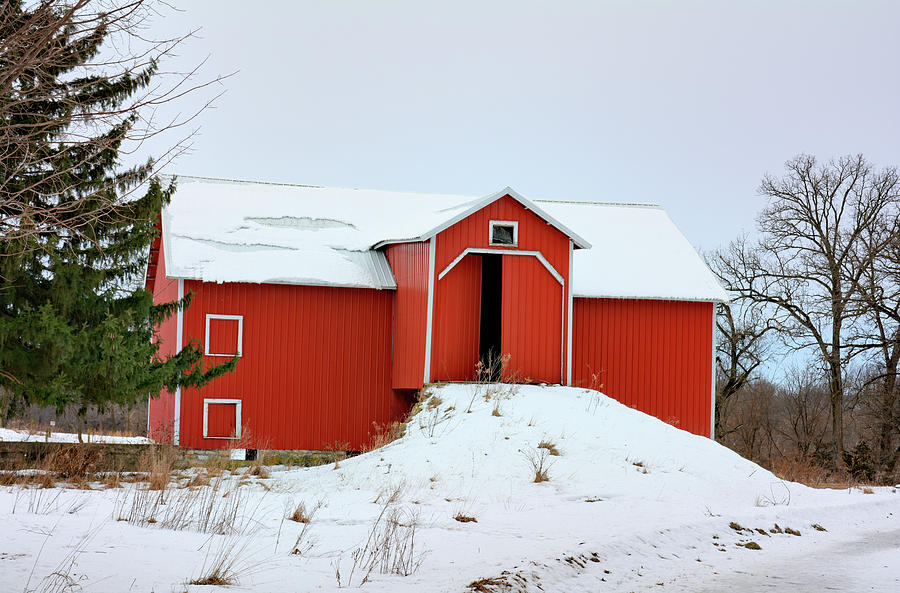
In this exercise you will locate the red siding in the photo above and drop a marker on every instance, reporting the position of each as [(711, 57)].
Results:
[(457, 315), (409, 262), (161, 415), (534, 234), (315, 370), (532, 332), (655, 356)]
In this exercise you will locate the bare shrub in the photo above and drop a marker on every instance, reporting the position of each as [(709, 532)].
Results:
[(540, 463), (74, 461)]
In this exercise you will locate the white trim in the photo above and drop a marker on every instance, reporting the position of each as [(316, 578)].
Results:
[(237, 417), (430, 317), (515, 227), (712, 407), (240, 336), (179, 341), (569, 320), (482, 250), (646, 298), (562, 339), (477, 205)]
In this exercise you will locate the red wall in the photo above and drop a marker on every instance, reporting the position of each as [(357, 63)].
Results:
[(409, 263), (161, 416), (535, 234), (315, 370), (652, 355)]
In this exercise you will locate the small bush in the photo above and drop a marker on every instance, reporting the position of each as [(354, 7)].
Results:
[(540, 464)]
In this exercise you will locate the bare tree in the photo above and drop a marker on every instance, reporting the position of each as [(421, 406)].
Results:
[(46, 135), (806, 266), (740, 349), (880, 337)]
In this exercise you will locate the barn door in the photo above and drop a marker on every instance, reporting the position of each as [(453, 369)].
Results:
[(455, 336), (532, 321)]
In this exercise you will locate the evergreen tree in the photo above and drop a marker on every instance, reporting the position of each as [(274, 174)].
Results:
[(76, 327)]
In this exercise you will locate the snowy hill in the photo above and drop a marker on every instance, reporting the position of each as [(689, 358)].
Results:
[(630, 504)]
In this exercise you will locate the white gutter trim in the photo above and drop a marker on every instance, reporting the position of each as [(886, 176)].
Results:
[(569, 302), (430, 317), (179, 335), (649, 298), (482, 250)]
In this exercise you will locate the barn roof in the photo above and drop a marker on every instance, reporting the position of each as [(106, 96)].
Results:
[(230, 231)]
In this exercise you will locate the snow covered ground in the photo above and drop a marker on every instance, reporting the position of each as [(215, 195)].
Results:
[(8, 434), (631, 504)]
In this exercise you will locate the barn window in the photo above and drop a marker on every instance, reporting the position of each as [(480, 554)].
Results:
[(224, 335), (504, 232), (221, 418)]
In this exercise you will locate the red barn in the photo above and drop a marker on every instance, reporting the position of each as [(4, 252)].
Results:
[(342, 303)]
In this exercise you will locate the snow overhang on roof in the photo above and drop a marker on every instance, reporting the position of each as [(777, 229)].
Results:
[(232, 231), (476, 205)]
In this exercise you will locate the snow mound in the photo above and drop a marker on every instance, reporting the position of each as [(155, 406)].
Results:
[(456, 445)]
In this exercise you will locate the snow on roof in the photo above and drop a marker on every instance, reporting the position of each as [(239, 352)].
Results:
[(637, 252), (231, 231)]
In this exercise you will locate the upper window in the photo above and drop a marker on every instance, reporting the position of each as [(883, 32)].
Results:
[(504, 232), (224, 335)]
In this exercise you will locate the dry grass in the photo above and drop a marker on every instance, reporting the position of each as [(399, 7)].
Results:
[(223, 565), (384, 434), (157, 465), (301, 514), (390, 547), (550, 447), (217, 508)]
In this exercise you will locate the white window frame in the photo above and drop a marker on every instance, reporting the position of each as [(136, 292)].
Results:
[(237, 417), (513, 223), (240, 336)]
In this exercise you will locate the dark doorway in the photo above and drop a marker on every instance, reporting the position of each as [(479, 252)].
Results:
[(489, 341)]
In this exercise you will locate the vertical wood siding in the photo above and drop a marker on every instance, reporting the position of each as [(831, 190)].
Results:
[(315, 370), (532, 330), (409, 263), (654, 356), (473, 231), (161, 413), (457, 316)]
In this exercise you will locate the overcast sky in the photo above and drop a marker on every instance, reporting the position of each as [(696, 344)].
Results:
[(685, 104)]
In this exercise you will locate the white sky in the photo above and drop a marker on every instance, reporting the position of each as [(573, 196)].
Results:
[(686, 104)]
